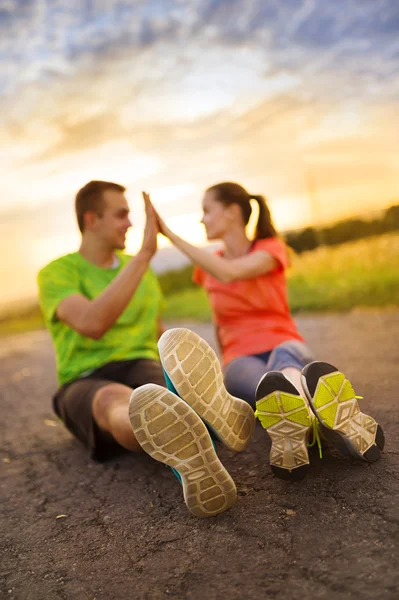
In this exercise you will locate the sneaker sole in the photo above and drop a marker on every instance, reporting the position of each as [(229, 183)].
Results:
[(172, 433), (343, 424), (287, 420), (195, 372)]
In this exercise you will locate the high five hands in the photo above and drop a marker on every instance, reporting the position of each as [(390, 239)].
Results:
[(151, 213), (151, 229)]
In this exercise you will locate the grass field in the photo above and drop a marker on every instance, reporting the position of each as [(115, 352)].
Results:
[(362, 273)]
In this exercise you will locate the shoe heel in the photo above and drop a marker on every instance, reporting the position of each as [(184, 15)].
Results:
[(294, 475), (374, 452)]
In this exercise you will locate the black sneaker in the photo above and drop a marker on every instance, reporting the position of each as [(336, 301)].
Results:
[(285, 415), (342, 424)]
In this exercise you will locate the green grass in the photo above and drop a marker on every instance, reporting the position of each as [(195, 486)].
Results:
[(335, 278), (362, 273), (191, 304)]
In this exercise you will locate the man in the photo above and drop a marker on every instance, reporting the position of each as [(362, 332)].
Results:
[(102, 309)]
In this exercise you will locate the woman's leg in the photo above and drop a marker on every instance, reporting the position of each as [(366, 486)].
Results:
[(294, 375), (242, 375), (290, 358)]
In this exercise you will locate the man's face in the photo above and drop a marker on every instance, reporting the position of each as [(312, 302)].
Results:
[(113, 225)]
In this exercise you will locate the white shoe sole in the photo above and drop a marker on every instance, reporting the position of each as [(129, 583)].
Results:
[(343, 424), (285, 415), (169, 430), (194, 370)]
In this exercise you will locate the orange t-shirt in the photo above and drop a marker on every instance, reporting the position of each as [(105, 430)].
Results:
[(251, 315)]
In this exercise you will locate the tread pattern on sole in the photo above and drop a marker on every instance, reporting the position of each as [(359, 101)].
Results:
[(337, 408), (194, 370), (287, 420), (171, 432)]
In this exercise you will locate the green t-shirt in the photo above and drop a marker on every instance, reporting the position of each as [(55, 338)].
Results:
[(134, 334)]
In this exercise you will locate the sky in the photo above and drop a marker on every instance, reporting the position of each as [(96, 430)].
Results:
[(294, 99)]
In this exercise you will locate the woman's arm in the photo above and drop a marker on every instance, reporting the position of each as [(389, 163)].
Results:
[(223, 269)]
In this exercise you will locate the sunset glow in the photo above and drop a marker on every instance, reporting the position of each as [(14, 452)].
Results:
[(287, 98)]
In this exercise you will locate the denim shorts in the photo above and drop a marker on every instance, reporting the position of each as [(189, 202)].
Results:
[(242, 374)]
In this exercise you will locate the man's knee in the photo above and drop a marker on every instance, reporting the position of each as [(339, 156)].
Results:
[(111, 413), (108, 398)]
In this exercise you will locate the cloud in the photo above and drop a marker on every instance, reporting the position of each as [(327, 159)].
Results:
[(46, 39), (174, 96), (193, 85)]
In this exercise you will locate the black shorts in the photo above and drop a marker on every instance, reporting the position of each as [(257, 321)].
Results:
[(73, 401)]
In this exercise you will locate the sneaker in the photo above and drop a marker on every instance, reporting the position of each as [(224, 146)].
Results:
[(342, 424), (193, 370), (285, 415), (170, 431)]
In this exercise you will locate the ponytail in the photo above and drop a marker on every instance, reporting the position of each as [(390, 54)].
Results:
[(231, 193), (264, 226)]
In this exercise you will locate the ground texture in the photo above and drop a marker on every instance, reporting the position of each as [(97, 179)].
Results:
[(75, 529)]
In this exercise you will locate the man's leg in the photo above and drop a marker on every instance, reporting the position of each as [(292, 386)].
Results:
[(110, 412)]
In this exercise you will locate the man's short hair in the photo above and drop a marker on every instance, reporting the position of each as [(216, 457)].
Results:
[(90, 198)]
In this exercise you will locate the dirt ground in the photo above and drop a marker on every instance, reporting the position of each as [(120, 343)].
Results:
[(73, 529)]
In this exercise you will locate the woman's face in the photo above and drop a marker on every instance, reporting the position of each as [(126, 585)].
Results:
[(216, 216)]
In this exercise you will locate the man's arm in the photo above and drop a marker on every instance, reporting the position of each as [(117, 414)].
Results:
[(160, 327), (93, 318)]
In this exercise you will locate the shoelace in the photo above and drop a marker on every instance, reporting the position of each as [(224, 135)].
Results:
[(316, 435)]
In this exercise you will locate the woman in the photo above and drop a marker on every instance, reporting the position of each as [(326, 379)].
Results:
[(262, 350), (247, 289)]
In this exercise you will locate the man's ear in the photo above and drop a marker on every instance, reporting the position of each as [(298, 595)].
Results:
[(89, 219)]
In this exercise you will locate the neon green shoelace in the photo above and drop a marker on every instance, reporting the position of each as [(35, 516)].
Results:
[(316, 437)]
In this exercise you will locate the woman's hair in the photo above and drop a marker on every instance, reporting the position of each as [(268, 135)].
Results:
[(231, 193)]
